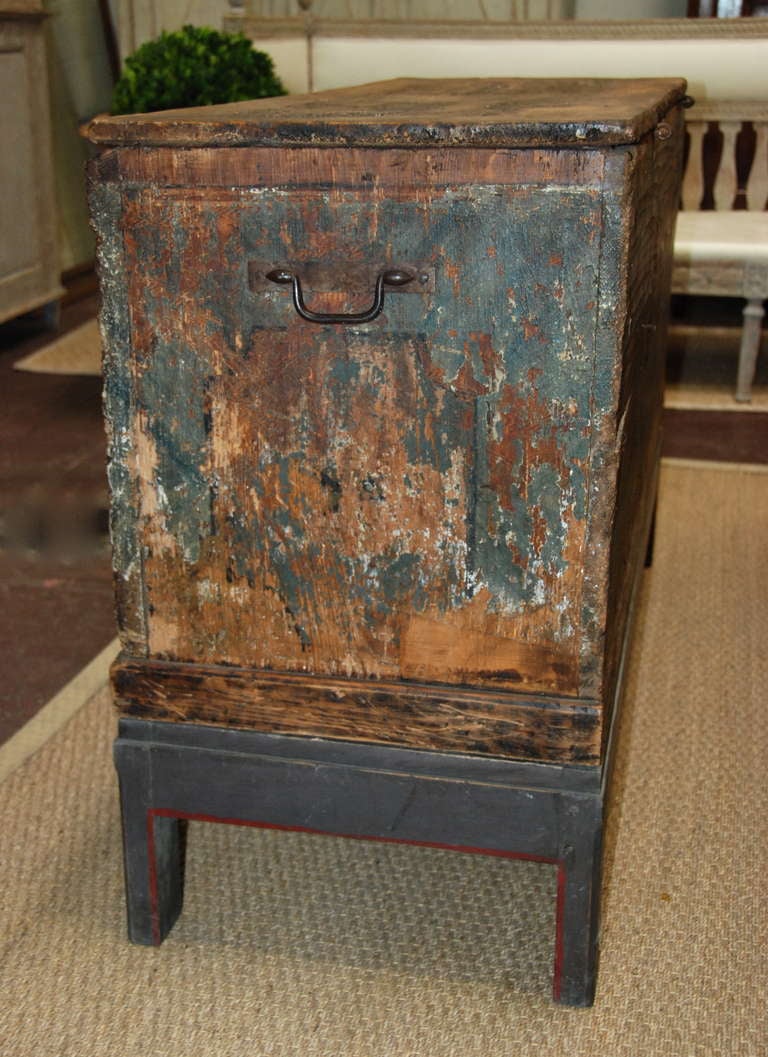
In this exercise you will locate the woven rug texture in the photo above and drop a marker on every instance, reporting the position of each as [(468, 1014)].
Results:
[(296, 945), (76, 352)]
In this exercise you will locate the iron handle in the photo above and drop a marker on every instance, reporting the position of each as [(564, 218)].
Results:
[(389, 277)]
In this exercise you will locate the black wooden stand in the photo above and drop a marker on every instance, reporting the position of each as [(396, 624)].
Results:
[(170, 772)]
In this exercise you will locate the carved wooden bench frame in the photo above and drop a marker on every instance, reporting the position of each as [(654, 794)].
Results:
[(737, 179)]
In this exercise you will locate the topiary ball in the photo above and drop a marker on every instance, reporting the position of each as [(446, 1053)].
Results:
[(194, 66)]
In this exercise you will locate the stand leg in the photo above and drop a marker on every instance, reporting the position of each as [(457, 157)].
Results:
[(579, 905), (750, 344), (152, 853)]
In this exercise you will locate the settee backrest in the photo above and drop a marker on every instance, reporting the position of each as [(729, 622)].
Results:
[(727, 156)]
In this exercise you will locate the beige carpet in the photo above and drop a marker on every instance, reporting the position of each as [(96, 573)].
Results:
[(76, 352), (303, 946), (702, 365)]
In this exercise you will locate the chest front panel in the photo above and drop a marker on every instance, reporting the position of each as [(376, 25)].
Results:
[(404, 498)]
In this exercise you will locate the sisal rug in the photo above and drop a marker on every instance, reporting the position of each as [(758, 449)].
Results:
[(304, 946), (76, 352)]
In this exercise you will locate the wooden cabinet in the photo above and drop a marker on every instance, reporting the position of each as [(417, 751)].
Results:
[(384, 374), (29, 264)]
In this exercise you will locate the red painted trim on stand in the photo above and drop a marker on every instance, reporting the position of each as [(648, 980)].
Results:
[(162, 812)]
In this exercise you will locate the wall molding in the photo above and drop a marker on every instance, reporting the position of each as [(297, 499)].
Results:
[(258, 28)]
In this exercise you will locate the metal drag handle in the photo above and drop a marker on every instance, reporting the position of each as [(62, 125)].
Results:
[(389, 277)]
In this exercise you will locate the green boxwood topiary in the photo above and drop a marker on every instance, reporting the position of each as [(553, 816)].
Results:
[(194, 66)]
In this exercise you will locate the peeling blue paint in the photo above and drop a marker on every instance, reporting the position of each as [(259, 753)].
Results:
[(501, 355)]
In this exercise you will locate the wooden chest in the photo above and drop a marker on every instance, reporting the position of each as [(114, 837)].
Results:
[(383, 386)]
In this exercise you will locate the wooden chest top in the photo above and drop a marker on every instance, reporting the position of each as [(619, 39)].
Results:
[(414, 112)]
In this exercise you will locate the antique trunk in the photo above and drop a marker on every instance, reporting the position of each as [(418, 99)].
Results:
[(383, 387)]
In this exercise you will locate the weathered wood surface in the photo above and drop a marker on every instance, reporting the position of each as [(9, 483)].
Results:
[(403, 500), (484, 112), (438, 718), (456, 493), (653, 188), (396, 172)]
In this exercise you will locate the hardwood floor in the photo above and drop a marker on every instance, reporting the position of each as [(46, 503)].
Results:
[(55, 575), (720, 436), (55, 578)]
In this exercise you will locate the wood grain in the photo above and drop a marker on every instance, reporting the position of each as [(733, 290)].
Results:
[(438, 718), (653, 187), (413, 112), (401, 500), (394, 170)]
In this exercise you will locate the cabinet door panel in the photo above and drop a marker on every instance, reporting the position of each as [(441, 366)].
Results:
[(29, 263)]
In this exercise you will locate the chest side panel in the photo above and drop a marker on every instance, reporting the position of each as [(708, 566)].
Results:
[(404, 498), (653, 188)]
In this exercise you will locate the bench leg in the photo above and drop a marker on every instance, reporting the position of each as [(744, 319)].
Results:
[(750, 343)]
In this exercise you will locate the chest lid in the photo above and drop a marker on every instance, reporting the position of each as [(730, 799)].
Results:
[(415, 112)]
